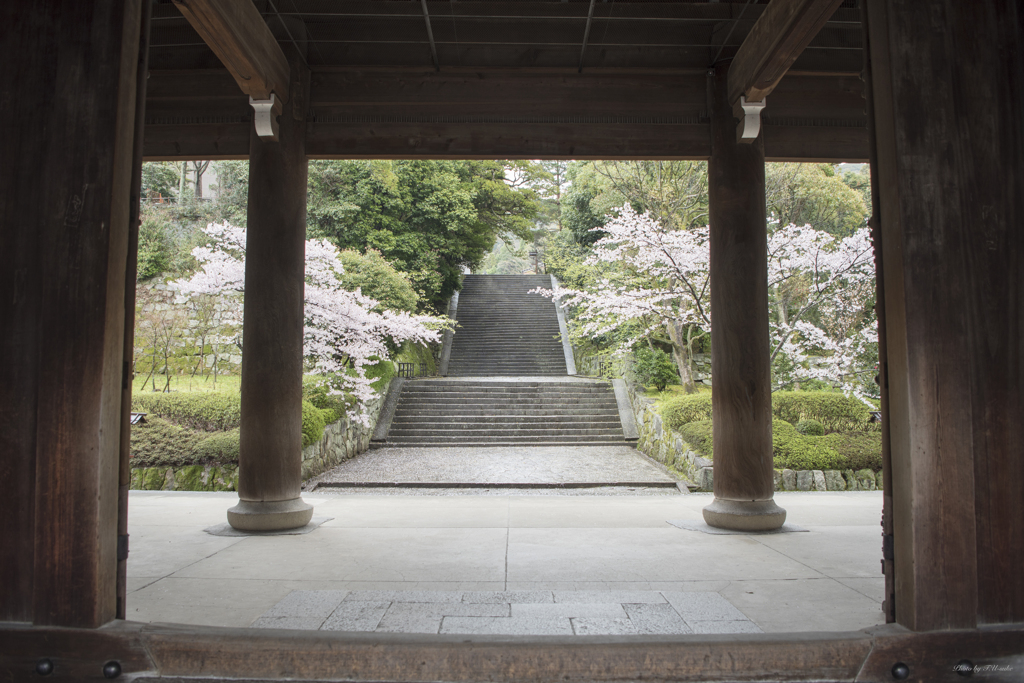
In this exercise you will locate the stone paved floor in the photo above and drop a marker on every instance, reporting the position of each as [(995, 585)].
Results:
[(581, 613), (824, 580), (515, 465)]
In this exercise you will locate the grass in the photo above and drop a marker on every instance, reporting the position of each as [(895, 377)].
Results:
[(182, 383)]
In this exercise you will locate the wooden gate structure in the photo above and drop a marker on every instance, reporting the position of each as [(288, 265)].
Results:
[(930, 91)]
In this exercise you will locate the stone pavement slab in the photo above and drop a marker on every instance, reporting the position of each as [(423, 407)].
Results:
[(596, 626), (605, 610), (655, 618), (613, 613), (517, 626)]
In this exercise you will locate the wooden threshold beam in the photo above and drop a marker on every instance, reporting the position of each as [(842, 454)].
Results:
[(778, 37), (237, 34), (152, 652)]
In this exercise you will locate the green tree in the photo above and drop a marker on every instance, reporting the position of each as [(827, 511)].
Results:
[(159, 180), (813, 194), (429, 219), (586, 203), (156, 246), (378, 280), (674, 192)]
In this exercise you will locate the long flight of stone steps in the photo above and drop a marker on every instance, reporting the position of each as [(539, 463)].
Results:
[(504, 330), (440, 412)]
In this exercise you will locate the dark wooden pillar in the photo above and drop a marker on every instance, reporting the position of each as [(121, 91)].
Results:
[(947, 86), (67, 104), (270, 457), (741, 397)]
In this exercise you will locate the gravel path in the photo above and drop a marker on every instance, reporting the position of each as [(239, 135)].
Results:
[(499, 465)]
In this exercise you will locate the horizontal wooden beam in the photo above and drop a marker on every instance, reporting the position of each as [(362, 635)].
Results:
[(170, 142), (780, 35), (514, 113), (237, 34), (149, 651)]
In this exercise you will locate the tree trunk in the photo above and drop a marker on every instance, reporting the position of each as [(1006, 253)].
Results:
[(681, 355)]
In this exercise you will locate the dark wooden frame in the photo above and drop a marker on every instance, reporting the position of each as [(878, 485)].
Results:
[(955, 480)]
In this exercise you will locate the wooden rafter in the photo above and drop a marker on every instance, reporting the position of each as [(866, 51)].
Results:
[(778, 37), (239, 36)]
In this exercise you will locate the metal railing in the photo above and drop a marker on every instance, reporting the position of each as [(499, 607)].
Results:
[(408, 370)]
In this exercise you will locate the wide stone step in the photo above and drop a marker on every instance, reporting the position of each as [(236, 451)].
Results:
[(506, 394), (502, 404), (492, 418), (579, 412), (483, 388), (481, 434), (515, 350), (574, 399), (510, 372), (516, 441)]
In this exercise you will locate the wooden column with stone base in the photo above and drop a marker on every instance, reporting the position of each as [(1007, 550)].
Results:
[(270, 453), (741, 400)]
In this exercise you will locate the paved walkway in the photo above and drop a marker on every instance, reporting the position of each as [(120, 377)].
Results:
[(560, 550), (499, 465)]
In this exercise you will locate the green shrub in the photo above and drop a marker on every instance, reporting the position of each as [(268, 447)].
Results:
[(418, 354), (316, 390), (654, 366), (810, 428), (861, 450), (698, 436), (681, 410), (312, 424), (381, 373), (792, 450), (206, 411), (836, 412), (159, 443), (219, 447)]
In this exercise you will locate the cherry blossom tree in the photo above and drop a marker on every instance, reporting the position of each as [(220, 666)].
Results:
[(660, 286), (814, 274), (342, 333), (662, 283)]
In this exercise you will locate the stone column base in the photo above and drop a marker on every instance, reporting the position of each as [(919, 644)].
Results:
[(250, 515), (744, 515)]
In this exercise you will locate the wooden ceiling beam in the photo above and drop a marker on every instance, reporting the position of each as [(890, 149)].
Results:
[(778, 37), (241, 39)]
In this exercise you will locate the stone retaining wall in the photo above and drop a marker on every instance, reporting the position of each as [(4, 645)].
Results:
[(659, 442), (185, 478), (342, 440)]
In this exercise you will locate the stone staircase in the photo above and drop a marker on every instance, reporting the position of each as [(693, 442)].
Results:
[(505, 331), (507, 382), (450, 412)]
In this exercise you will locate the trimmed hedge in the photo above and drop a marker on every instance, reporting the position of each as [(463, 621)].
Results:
[(836, 412), (862, 450), (208, 412), (698, 435), (810, 428), (219, 447), (795, 451), (202, 428), (681, 410), (160, 443), (312, 423), (333, 406)]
